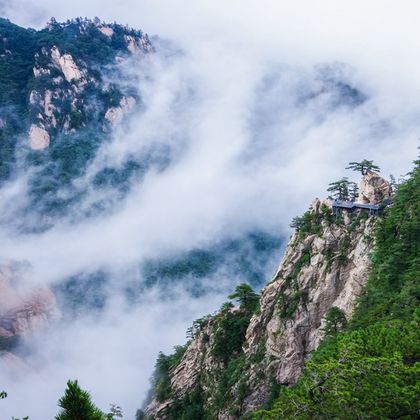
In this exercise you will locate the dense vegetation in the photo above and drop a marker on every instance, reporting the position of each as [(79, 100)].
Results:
[(366, 368), (371, 369), (76, 404), (229, 326), (75, 123)]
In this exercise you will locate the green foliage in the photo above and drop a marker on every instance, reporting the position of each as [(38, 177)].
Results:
[(230, 376), (288, 303), (308, 224), (259, 355), (364, 374), (114, 412), (393, 291), (15, 67), (341, 189), (199, 324), (344, 249), (191, 407), (364, 166), (229, 327), (335, 321), (164, 364), (304, 260), (370, 369), (326, 213), (275, 390), (23, 49), (247, 298), (9, 343), (76, 404), (245, 255), (230, 334)]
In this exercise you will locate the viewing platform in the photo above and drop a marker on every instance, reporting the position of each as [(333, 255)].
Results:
[(353, 205)]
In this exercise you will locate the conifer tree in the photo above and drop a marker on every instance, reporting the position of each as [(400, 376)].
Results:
[(335, 321), (340, 189), (76, 404), (247, 298), (364, 166)]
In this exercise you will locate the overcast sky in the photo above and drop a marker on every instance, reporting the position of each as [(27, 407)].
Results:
[(255, 156)]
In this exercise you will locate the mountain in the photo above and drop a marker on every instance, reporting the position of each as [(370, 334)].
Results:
[(23, 311), (348, 285), (65, 90), (334, 334), (54, 81)]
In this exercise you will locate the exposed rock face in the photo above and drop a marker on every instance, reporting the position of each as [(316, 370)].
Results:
[(334, 276), (23, 310), (115, 115), (106, 30), (319, 271), (66, 64), (373, 189), (38, 137), (137, 45), (71, 91)]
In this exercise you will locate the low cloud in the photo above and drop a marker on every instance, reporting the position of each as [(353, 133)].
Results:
[(260, 108)]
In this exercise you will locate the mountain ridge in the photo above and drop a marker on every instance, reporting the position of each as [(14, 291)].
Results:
[(325, 267)]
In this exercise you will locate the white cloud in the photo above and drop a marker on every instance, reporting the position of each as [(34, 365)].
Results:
[(254, 145)]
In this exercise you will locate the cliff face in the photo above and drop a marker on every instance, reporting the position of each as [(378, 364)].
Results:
[(318, 272), (23, 309), (63, 91), (325, 265), (69, 92), (63, 81), (373, 189)]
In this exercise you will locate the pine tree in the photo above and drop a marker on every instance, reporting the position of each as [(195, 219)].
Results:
[(340, 189), (364, 166), (247, 298), (335, 321), (76, 404), (353, 191)]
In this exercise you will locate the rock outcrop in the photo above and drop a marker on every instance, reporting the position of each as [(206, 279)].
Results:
[(115, 115), (66, 64), (71, 91), (318, 272), (325, 265), (38, 137), (373, 189), (23, 309)]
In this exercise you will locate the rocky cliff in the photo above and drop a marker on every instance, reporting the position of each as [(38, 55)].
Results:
[(23, 309), (64, 81), (63, 91), (324, 268)]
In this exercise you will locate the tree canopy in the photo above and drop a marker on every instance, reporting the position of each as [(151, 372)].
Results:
[(76, 404), (335, 321), (364, 166), (343, 189), (369, 369), (246, 296)]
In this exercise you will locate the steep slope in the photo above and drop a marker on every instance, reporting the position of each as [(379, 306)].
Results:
[(63, 90), (62, 80), (23, 309), (372, 369), (61, 94), (239, 358)]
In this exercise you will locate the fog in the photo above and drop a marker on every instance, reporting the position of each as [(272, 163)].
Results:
[(261, 106)]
